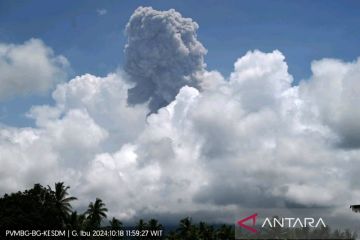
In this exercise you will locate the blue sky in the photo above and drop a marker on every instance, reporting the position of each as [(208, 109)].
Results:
[(302, 30)]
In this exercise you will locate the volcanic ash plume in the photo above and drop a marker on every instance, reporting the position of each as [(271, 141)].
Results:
[(162, 55)]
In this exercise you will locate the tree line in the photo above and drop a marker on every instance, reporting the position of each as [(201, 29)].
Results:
[(44, 208)]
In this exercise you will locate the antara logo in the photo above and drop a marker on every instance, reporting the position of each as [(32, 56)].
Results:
[(241, 223), (280, 222), (294, 222)]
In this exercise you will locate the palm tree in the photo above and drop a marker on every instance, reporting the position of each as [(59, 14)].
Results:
[(75, 221), (62, 201), (202, 230), (141, 225), (96, 212), (186, 229), (115, 224), (154, 224)]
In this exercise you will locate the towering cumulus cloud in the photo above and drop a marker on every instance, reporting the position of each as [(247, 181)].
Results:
[(334, 92), (162, 55)]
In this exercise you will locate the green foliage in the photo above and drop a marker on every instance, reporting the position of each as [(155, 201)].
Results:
[(95, 213), (37, 208), (141, 225), (115, 224), (47, 208), (62, 202)]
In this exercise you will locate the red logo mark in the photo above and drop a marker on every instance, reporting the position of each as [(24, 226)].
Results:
[(242, 221)]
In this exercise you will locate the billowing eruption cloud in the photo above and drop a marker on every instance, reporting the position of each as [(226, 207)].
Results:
[(250, 140), (162, 55)]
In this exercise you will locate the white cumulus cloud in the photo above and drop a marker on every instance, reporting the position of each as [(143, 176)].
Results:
[(333, 94), (29, 68)]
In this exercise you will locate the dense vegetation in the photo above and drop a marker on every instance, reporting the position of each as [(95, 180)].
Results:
[(47, 208)]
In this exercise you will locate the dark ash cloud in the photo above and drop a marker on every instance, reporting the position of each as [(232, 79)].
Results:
[(162, 55)]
